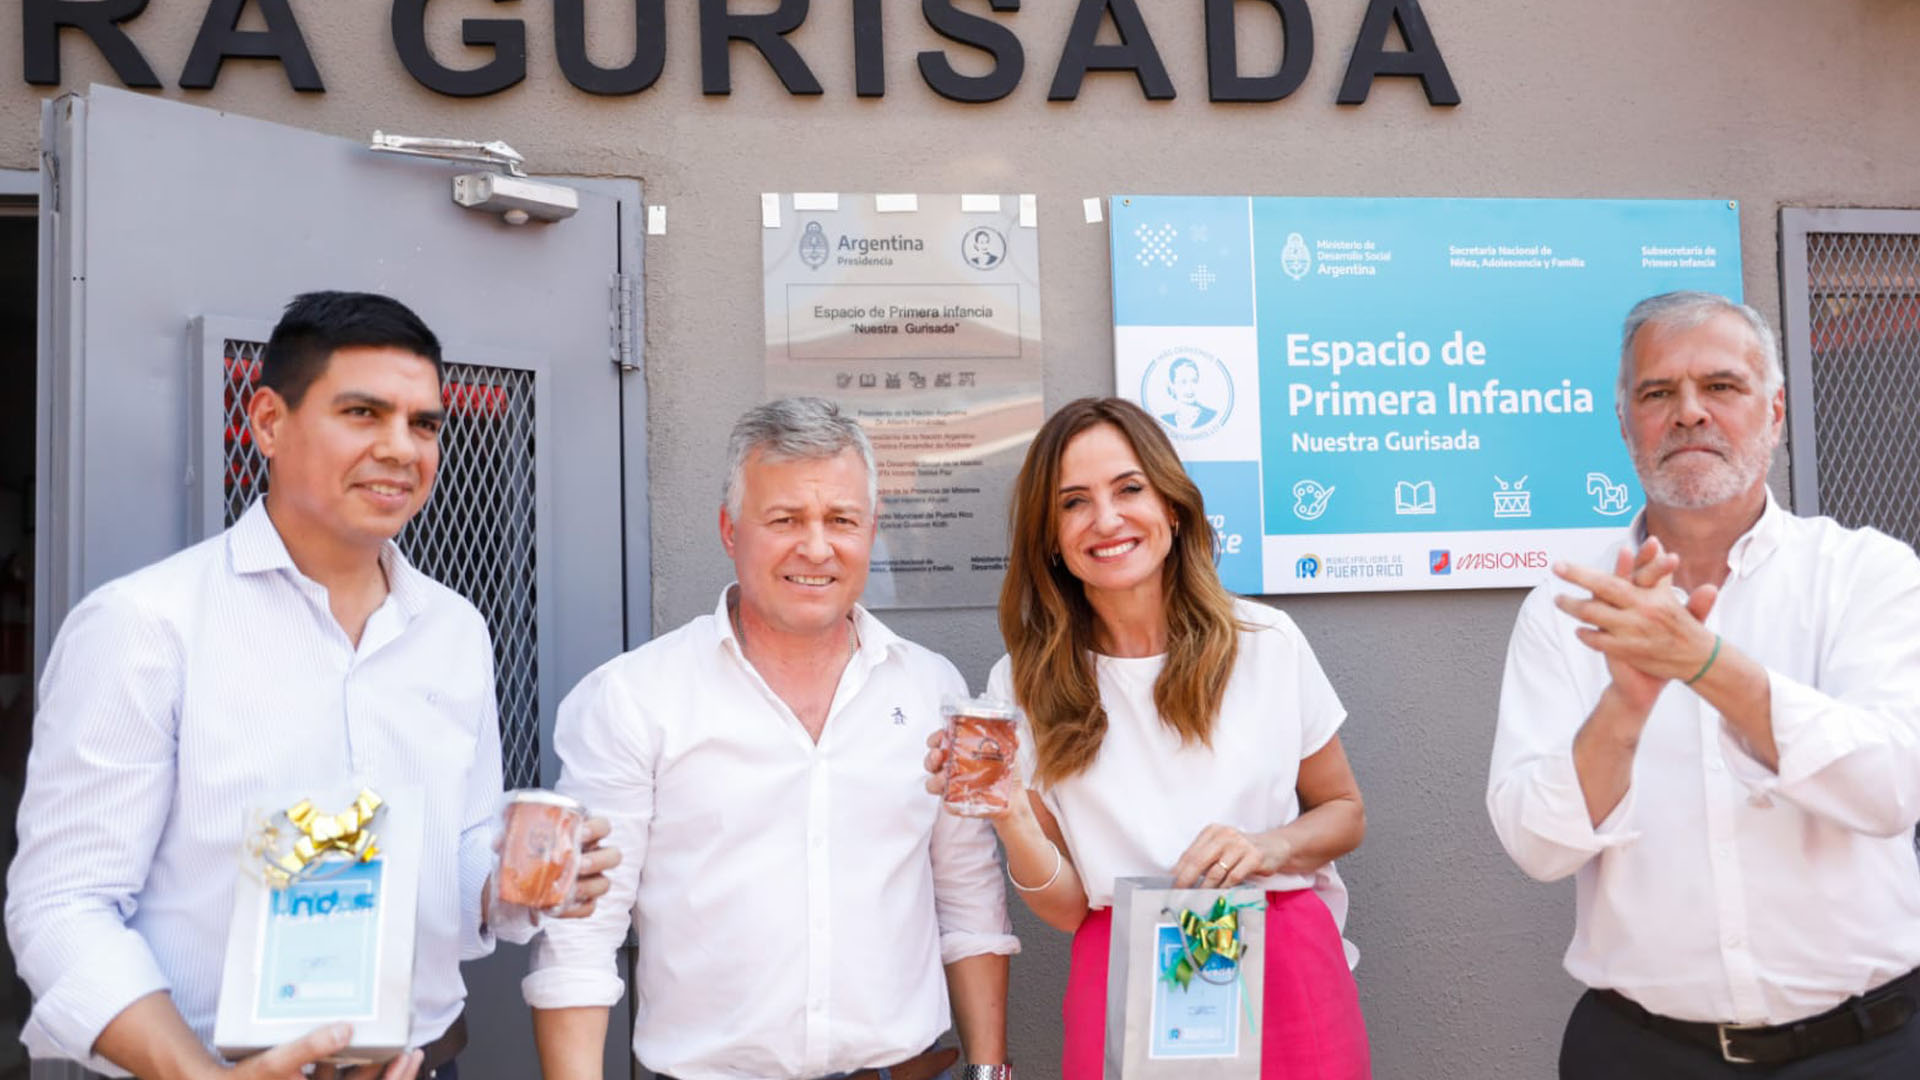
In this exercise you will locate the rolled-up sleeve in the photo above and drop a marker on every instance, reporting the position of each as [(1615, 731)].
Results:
[(607, 750), (1849, 749), (969, 891), (1533, 792), (100, 782)]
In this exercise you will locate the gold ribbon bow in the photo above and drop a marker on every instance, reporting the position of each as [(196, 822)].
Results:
[(347, 834), (1215, 934)]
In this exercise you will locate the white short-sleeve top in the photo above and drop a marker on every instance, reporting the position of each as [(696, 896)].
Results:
[(1146, 796)]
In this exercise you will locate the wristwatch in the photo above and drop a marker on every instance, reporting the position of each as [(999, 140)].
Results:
[(987, 1072)]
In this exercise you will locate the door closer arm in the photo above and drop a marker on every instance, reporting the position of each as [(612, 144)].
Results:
[(508, 192)]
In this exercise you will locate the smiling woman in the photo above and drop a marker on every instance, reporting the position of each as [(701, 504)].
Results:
[(1105, 517), (1172, 730)]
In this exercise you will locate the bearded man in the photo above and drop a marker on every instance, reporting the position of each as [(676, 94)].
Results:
[(1717, 734)]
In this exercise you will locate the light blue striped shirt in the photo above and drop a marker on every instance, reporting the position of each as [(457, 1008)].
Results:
[(176, 697)]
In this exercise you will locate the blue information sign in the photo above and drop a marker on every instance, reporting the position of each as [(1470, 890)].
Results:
[(1399, 393)]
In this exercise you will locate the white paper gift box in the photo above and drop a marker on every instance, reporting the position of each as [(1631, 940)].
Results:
[(333, 946)]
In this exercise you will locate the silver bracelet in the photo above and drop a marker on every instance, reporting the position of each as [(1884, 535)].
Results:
[(988, 1072), (1059, 861)]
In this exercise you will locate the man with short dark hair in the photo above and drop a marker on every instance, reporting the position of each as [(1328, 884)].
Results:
[(315, 325), (297, 647), (1717, 734)]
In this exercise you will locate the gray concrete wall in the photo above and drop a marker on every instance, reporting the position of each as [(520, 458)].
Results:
[(1772, 102)]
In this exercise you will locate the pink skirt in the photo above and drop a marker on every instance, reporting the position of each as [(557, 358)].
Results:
[(1311, 1027)]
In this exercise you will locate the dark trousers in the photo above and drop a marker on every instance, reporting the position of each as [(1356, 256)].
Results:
[(1603, 1043)]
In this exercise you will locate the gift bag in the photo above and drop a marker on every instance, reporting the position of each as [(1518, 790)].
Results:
[(1184, 980), (323, 922)]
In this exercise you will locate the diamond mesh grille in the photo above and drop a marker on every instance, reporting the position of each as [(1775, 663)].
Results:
[(476, 534), (1864, 301), (246, 469)]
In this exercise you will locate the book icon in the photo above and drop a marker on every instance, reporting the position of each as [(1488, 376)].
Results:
[(1413, 498)]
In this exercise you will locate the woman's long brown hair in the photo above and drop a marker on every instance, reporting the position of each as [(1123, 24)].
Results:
[(1048, 625)]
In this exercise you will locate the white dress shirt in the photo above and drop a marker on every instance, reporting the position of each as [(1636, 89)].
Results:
[(178, 696), (1719, 890), (1147, 796), (794, 901)]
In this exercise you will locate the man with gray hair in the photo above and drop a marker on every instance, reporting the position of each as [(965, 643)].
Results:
[(795, 889), (1716, 732)]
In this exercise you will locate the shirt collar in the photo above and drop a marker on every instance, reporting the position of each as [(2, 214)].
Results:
[(876, 640), (1760, 542), (254, 546), (1753, 548)]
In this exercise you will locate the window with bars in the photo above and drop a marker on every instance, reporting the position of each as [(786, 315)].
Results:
[(1852, 311), (475, 535)]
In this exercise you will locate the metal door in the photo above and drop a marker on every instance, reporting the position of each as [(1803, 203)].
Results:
[(1851, 311), (173, 235)]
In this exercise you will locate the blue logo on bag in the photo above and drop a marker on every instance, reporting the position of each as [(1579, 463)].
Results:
[(320, 946), (296, 902)]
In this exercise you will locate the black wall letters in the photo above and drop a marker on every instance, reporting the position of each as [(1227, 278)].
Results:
[(982, 25)]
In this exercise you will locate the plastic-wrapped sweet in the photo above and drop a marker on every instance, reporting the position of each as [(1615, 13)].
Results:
[(539, 849), (983, 737)]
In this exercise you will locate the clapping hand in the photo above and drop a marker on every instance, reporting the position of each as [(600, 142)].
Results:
[(1635, 617)]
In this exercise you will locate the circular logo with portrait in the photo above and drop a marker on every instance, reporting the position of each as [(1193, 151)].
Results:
[(1189, 390), (983, 248)]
